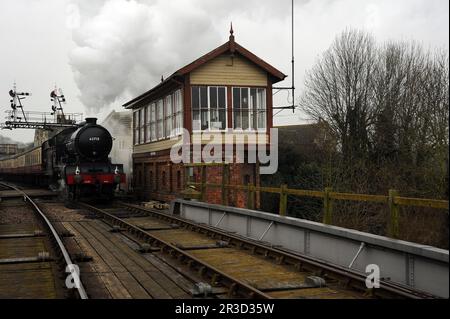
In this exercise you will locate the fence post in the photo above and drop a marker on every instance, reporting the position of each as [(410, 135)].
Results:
[(283, 200), (328, 207), (250, 196), (394, 214)]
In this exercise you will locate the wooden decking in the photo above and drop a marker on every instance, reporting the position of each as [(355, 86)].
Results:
[(118, 271), (33, 280)]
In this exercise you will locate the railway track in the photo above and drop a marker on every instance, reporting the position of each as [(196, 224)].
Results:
[(242, 268), (128, 251), (110, 266), (33, 258)]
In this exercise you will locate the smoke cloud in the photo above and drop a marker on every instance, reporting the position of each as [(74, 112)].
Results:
[(124, 47)]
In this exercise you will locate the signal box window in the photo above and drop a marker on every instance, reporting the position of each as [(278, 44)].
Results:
[(209, 108), (136, 127), (147, 124), (249, 109), (153, 136), (142, 126), (160, 117), (168, 116), (178, 112)]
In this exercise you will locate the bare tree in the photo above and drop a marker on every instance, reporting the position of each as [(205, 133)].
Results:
[(339, 90), (388, 107), (411, 95)]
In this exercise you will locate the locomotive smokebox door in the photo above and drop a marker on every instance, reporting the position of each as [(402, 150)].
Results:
[(91, 141)]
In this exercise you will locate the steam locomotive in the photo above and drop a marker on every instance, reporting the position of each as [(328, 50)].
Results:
[(75, 162)]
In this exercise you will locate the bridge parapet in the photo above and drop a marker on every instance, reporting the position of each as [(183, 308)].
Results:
[(417, 266)]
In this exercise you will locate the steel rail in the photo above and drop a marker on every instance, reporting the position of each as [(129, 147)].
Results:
[(81, 291), (390, 289), (235, 286)]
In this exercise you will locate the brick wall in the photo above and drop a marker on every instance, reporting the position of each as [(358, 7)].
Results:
[(239, 174), (157, 178)]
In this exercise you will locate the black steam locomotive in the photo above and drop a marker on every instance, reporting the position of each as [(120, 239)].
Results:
[(75, 161)]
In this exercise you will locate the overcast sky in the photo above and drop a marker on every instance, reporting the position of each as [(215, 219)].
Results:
[(104, 52)]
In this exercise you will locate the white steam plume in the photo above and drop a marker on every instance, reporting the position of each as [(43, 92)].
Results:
[(122, 48)]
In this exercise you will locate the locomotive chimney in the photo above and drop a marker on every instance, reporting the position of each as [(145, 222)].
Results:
[(91, 120)]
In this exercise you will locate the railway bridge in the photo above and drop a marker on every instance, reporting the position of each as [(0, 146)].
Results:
[(193, 249), (410, 265)]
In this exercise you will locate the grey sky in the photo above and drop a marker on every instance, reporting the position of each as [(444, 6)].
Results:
[(103, 52)]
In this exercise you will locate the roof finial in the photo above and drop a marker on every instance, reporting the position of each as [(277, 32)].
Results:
[(231, 38), (231, 42)]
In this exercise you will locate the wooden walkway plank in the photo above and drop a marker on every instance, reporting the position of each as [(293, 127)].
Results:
[(160, 285), (172, 273), (164, 275), (151, 287), (113, 264), (92, 281), (21, 247), (113, 285), (183, 237), (131, 285), (29, 284), (97, 263), (254, 270)]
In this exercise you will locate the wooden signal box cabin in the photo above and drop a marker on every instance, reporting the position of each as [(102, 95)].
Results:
[(227, 90)]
